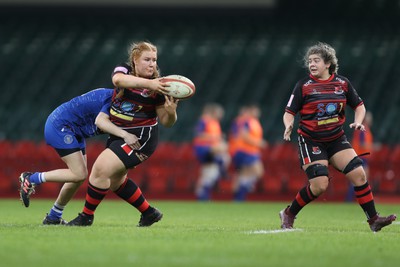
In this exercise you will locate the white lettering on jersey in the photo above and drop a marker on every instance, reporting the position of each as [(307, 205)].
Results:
[(308, 83)]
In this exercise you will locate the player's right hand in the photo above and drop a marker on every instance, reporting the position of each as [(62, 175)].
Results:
[(132, 141), (158, 86), (287, 133)]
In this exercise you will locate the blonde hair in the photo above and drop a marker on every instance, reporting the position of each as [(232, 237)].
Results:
[(136, 50), (327, 53)]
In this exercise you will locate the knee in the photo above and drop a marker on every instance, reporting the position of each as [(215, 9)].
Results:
[(353, 165), (80, 176), (357, 177), (320, 187), (316, 170)]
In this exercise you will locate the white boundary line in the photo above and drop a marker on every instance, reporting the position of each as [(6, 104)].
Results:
[(274, 231)]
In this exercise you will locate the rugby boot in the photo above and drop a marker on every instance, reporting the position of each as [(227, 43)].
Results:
[(27, 188), (147, 219), (287, 219), (377, 222)]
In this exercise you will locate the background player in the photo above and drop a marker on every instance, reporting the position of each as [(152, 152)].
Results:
[(245, 144), (211, 149)]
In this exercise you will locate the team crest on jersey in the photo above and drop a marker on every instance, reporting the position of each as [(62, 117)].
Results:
[(146, 93), (316, 150), (68, 139), (338, 90)]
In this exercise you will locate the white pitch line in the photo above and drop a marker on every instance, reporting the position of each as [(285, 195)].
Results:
[(274, 231)]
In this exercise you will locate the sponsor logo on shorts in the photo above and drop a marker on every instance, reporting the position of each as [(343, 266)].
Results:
[(141, 156)]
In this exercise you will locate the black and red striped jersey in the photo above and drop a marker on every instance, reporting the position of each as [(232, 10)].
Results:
[(321, 105), (134, 107)]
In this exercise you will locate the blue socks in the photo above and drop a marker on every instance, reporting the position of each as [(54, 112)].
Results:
[(37, 178), (204, 194), (56, 212), (241, 193)]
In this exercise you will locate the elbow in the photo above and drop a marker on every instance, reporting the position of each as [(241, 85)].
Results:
[(97, 122), (168, 123), (100, 126), (117, 80), (100, 120)]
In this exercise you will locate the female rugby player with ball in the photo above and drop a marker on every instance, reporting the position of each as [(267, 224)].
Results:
[(138, 104)]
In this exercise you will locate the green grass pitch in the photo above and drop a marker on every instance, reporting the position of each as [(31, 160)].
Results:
[(197, 234)]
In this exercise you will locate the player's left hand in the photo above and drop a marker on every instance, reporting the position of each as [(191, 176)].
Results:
[(357, 126), (170, 104)]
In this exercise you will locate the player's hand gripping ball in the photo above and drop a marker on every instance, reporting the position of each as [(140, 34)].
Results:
[(180, 87)]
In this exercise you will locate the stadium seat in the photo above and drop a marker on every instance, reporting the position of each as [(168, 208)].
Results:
[(272, 184), (158, 179)]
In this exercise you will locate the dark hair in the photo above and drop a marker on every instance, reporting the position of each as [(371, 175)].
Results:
[(327, 53)]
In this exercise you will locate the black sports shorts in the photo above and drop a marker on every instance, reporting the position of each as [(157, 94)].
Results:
[(148, 138), (310, 150)]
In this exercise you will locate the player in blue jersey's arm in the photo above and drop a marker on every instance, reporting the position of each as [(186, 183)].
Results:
[(321, 98), (65, 130)]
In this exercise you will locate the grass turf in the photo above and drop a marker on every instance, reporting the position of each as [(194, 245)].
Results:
[(197, 234)]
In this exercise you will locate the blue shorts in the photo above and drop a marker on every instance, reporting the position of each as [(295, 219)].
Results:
[(241, 159), (204, 154), (63, 139)]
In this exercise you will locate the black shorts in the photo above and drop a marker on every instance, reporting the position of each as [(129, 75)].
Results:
[(148, 138), (310, 150)]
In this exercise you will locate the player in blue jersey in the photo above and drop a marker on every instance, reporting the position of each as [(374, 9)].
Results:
[(65, 130), (321, 99)]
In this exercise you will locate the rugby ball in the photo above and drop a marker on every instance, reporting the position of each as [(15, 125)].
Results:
[(180, 87)]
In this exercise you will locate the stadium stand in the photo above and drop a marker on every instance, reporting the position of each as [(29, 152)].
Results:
[(49, 55), (172, 171)]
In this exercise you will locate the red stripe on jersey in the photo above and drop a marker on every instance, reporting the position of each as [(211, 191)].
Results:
[(321, 105)]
